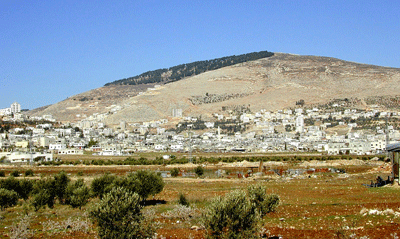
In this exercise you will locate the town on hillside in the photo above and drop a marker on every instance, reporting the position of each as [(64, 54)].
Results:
[(332, 130)]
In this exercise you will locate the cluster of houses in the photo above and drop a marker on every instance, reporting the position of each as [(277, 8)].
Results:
[(283, 130)]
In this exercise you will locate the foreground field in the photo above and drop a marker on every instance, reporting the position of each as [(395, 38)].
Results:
[(317, 205)]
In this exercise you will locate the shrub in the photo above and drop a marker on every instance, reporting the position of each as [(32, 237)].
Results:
[(8, 198), (10, 183), (182, 200), (61, 181), (25, 188), (29, 172), (2, 174), (118, 215), (99, 185), (77, 194), (43, 193), (147, 183), (21, 187), (14, 173), (232, 216), (40, 200), (264, 203), (174, 172), (199, 171)]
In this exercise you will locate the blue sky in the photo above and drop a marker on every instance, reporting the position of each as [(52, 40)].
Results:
[(51, 50)]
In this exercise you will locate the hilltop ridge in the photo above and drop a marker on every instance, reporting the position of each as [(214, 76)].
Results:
[(179, 72)]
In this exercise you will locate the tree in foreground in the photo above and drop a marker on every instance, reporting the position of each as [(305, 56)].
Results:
[(146, 183), (265, 203), (232, 216), (238, 214), (43, 193), (60, 182), (77, 194), (101, 185), (22, 187), (118, 215), (8, 198)]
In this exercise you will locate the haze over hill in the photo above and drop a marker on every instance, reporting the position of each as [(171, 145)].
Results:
[(270, 83)]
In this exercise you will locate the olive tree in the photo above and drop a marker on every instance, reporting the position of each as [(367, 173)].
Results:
[(21, 187), (8, 198), (147, 183), (265, 203), (61, 181), (101, 185), (77, 194), (118, 215), (43, 193), (232, 216), (238, 214)]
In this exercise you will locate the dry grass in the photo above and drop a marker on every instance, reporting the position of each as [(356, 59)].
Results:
[(326, 205)]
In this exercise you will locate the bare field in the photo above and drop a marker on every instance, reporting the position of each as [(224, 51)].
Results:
[(318, 205)]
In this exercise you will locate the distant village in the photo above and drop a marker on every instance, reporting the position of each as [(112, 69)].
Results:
[(333, 131)]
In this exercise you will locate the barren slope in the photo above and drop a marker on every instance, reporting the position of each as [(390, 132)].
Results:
[(270, 83)]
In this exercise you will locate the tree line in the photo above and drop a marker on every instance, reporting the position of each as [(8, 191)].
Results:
[(60, 188), (179, 72)]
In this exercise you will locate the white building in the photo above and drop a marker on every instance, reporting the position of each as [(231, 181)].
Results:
[(300, 124), (14, 108), (20, 157)]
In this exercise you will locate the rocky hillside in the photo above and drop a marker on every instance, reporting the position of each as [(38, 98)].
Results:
[(271, 83)]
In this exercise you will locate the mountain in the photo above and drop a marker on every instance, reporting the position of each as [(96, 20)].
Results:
[(275, 82)]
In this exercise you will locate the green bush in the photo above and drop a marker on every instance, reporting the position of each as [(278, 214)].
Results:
[(29, 173), (199, 171), (147, 183), (2, 174), (14, 173), (264, 203), (232, 216), (174, 172), (118, 215), (25, 188), (61, 181), (43, 193), (77, 194), (22, 187), (41, 199), (10, 183), (8, 198), (101, 185), (183, 200)]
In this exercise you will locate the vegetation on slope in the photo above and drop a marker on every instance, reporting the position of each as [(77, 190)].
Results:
[(181, 71)]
